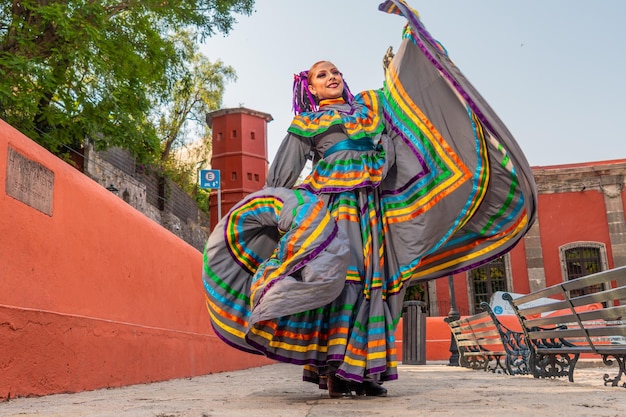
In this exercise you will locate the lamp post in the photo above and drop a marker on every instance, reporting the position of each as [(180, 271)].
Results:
[(453, 315)]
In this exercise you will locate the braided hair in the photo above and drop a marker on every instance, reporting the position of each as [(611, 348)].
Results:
[(304, 100)]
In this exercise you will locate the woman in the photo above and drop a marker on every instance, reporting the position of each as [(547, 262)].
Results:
[(420, 180), (345, 139)]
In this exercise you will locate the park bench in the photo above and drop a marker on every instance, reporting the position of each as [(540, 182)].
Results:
[(567, 320), (483, 342)]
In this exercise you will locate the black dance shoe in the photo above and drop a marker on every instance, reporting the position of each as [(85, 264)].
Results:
[(338, 388), (369, 388)]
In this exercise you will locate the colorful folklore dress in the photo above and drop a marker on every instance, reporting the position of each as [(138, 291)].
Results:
[(417, 180)]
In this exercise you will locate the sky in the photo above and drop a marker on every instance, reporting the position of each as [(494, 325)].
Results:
[(553, 70)]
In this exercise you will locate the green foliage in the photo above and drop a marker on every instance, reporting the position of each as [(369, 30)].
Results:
[(416, 292), (182, 167), (72, 70), (198, 89), (203, 198)]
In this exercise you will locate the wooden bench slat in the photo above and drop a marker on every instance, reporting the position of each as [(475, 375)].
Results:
[(616, 274), (482, 353), (608, 315), (599, 297)]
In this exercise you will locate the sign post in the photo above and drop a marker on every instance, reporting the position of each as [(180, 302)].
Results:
[(210, 178)]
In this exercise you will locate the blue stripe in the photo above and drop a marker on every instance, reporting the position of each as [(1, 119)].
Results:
[(363, 144)]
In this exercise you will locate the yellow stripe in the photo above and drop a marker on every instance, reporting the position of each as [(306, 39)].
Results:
[(330, 181), (287, 346), (403, 100), (228, 329), (473, 255), (338, 341), (460, 173), (303, 248)]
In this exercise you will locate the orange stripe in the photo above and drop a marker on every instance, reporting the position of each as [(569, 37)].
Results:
[(223, 313)]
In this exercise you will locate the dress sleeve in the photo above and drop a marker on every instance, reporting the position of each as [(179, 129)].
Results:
[(289, 161)]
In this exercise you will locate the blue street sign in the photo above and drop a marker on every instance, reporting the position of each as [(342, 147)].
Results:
[(210, 178)]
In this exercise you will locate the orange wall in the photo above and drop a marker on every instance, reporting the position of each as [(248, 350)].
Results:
[(96, 295), (437, 340), (519, 269), (584, 213), (461, 294)]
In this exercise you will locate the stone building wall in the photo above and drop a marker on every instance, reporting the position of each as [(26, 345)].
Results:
[(605, 177)]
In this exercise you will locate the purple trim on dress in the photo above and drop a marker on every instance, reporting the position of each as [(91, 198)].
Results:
[(330, 190), (349, 377), (425, 168), (228, 247), (359, 378), (334, 358), (284, 359), (421, 30), (228, 342), (377, 370)]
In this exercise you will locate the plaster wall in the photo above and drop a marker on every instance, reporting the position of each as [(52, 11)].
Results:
[(93, 293), (570, 217)]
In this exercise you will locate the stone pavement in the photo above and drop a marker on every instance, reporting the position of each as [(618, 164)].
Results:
[(277, 391)]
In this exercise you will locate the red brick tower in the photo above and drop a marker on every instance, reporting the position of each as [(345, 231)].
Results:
[(239, 153)]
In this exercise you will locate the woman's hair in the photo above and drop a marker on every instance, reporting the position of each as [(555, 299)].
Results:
[(304, 100)]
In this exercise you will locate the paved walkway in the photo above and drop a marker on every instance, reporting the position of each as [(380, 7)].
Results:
[(277, 391)]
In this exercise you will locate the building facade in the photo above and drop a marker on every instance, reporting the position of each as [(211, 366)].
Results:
[(580, 229)]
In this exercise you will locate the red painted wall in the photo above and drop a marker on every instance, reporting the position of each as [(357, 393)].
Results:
[(519, 268), (461, 295), (97, 294), (566, 218)]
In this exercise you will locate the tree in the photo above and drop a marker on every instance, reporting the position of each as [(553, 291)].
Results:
[(198, 90), (77, 69)]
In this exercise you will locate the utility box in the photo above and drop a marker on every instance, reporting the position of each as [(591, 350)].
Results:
[(414, 333)]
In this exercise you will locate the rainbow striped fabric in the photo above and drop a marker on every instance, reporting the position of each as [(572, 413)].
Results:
[(474, 192), (272, 248)]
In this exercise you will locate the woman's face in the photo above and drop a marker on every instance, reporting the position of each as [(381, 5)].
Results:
[(325, 81)]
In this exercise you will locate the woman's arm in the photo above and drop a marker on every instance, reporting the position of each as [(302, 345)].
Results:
[(289, 161)]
